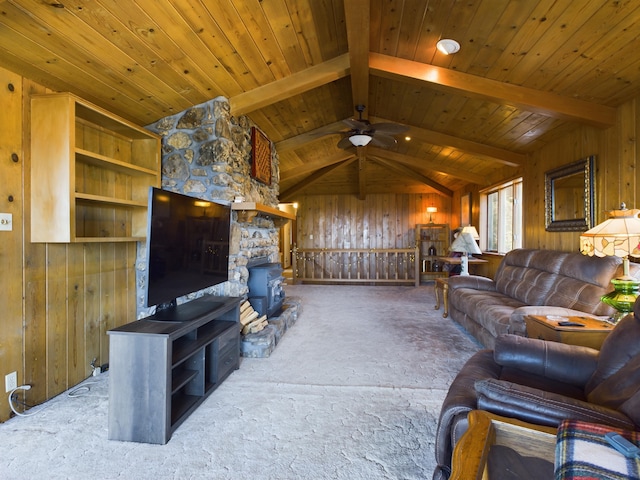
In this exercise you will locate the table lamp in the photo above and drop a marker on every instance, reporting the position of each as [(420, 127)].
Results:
[(465, 244), (618, 236), (472, 230)]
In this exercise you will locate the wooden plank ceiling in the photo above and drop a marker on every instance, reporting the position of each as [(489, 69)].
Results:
[(527, 71)]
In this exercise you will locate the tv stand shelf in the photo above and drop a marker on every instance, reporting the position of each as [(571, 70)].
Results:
[(164, 366)]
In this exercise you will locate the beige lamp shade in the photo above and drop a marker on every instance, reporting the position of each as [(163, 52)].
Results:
[(472, 230), (619, 235)]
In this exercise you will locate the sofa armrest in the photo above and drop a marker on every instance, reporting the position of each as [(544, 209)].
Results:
[(460, 400), (542, 408), (517, 324), (572, 364), (471, 281)]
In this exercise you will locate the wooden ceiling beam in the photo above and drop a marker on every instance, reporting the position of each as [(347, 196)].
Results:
[(528, 99), (295, 84), (401, 169), (358, 22), (308, 168), (425, 164), (499, 155), (288, 194)]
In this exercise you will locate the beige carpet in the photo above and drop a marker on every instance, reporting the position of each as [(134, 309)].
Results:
[(352, 391)]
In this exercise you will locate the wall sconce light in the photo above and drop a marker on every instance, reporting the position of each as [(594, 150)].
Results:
[(431, 211)]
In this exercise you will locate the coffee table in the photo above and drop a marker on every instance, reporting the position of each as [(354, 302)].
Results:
[(546, 327)]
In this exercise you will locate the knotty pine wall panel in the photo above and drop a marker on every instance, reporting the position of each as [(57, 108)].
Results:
[(11, 254), (58, 300), (379, 221)]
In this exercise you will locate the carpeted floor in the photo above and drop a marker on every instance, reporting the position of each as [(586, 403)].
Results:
[(352, 391)]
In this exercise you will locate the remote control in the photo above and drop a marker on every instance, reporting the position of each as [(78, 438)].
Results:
[(570, 324), (622, 445)]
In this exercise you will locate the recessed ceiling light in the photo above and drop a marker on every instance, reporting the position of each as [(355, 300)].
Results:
[(448, 46)]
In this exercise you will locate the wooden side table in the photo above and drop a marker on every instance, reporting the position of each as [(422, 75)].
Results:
[(441, 287), (546, 327), (471, 453)]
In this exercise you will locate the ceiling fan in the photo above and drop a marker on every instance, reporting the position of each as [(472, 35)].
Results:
[(363, 133)]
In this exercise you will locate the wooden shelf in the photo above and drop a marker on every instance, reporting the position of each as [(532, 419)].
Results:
[(429, 237), (247, 211), (90, 172)]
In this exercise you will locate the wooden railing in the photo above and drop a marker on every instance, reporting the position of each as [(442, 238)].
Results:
[(385, 265)]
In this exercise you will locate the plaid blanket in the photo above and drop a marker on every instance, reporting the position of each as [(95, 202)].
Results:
[(582, 453)]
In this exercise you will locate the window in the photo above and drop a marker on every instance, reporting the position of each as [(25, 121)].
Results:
[(501, 217)]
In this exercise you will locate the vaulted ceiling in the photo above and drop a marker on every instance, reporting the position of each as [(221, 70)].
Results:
[(528, 71)]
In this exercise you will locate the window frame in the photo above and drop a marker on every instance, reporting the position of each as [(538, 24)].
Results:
[(509, 227)]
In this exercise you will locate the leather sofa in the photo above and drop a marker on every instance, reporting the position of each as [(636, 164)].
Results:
[(532, 282), (544, 382)]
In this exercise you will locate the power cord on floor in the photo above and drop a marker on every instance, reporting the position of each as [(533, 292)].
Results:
[(23, 414), (82, 390)]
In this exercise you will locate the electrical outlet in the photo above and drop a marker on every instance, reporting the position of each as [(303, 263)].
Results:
[(6, 221), (11, 381)]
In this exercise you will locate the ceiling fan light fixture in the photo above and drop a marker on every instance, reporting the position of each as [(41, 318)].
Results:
[(360, 140), (448, 46)]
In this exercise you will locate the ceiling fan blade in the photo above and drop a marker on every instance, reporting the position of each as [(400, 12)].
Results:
[(379, 140), (389, 128), (361, 125), (335, 132), (345, 143)]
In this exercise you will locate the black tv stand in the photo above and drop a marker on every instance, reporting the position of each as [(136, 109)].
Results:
[(164, 366)]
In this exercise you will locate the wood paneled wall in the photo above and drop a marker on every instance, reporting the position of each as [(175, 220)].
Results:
[(58, 300), (617, 176), (379, 221)]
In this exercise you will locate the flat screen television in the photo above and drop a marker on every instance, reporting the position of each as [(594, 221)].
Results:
[(187, 246)]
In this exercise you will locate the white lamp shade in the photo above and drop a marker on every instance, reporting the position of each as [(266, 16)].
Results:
[(465, 243), (360, 140)]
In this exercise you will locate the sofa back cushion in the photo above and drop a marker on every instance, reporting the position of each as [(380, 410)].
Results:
[(562, 279)]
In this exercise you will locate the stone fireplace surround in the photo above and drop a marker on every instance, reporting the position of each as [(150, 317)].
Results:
[(207, 153)]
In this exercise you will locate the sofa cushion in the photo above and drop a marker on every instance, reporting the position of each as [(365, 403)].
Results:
[(547, 277), (492, 310)]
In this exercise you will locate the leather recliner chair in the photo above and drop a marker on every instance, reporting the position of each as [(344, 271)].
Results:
[(544, 382)]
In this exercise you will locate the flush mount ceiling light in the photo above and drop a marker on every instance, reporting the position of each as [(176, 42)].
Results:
[(360, 140), (448, 46)]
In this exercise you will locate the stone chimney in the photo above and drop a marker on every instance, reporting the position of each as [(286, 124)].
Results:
[(206, 153)]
